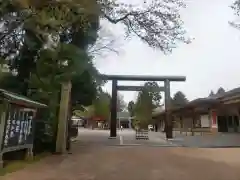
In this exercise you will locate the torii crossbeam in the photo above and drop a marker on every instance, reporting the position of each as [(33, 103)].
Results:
[(115, 88)]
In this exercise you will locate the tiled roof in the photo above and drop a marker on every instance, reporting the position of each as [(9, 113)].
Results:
[(208, 100), (123, 114), (231, 93), (21, 99)]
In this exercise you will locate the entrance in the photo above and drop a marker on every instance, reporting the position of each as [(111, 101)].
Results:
[(222, 124), (228, 124), (116, 87)]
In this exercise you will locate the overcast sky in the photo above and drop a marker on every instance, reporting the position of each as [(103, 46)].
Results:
[(211, 61)]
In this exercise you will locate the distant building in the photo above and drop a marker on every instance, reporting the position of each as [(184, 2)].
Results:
[(124, 119), (96, 122), (77, 121), (216, 113)]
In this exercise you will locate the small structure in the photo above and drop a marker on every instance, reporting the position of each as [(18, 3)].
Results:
[(77, 121), (141, 135), (124, 119), (16, 123), (96, 122)]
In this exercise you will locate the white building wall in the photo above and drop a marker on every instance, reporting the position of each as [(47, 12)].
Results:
[(205, 120)]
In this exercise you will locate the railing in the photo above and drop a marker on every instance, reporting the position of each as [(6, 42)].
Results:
[(194, 131), (142, 134)]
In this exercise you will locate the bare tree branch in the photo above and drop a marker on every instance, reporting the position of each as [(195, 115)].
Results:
[(236, 7), (105, 43), (234, 25), (157, 22), (115, 21)]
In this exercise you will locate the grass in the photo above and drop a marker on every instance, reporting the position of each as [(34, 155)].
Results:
[(18, 165)]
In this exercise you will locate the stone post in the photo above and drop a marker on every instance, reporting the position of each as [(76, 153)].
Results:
[(3, 109), (113, 122), (29, 155), (63, 117), (168, 123)]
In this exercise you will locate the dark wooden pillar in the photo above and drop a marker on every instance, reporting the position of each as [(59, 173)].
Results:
[(113, 122), (193, 122), (168, 123)]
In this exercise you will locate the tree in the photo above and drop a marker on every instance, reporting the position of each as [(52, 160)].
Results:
[(9, 82), (220, 91), (106, 42), (143, 109), (102, 105), (236, 7), (121, 105), (130, 107), (85, 88), (44, 34), (148, 99), (179, 99), (211, 94), (155, 22), (154, 92), (29, 28)]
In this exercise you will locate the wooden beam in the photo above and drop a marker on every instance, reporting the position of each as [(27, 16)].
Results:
[(136, 88), (142, 78)]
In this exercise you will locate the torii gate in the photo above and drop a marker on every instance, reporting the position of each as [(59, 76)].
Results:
[(116, 87)]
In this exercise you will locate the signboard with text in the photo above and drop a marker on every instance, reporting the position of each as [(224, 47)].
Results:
[(18, 127)]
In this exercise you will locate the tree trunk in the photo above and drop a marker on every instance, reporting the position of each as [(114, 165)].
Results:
[(169, 131), (69, 125), (165, 127)]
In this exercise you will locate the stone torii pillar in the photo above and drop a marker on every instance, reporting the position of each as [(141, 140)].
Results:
[(113, 122)]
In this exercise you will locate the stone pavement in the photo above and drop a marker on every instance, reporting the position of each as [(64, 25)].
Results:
[(135, 163), (127, 138), (124, 138), (95, 157), (207, 141)]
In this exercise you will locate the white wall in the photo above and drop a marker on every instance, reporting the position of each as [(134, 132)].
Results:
[(205, 121)]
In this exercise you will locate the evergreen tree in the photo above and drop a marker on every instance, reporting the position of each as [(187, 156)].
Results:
[(130, 107), (211, 94), (220, 91), (179, 99), (46, 41), (147, 100), (121, 105)]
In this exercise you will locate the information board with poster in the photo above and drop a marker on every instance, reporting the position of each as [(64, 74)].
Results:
[(18, 129)]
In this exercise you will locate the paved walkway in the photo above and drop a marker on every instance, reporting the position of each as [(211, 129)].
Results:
[(207, 141), (124, 138), (116, 162), (135, 163)]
